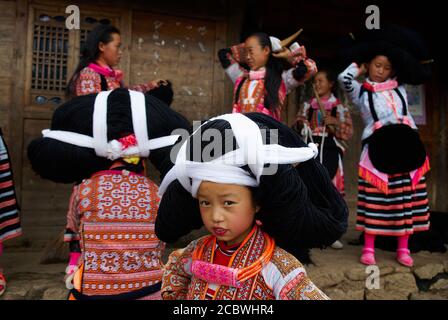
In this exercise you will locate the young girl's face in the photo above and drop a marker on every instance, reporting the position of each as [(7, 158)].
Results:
[(323, 86), (256, 55), (380, 69), (111, 52), (227, 210)]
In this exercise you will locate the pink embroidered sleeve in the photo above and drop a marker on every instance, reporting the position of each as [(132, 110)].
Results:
[(88, 82), (231, 60), (238, 53), (176, 279), (288, 278), (297, 55), (295, 76), (302, 288)]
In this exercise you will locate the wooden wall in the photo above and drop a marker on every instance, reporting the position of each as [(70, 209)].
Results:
[(179, 41), (7, 39), (160, 40)]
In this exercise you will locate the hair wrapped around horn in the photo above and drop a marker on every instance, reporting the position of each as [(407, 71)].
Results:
[(64, 162), (299, 206)]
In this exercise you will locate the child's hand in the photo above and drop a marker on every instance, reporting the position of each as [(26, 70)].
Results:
[(283, 54)]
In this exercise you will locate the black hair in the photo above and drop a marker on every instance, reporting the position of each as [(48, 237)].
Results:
[(331, 76), (66, 163), (90, 52), (299, 206), (404, 47), (273, 78)]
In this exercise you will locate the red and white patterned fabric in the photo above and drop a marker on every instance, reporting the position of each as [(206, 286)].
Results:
[(252, 93), (114, 213), (89, 80), (283, 278), (9, 208), (344, 128)]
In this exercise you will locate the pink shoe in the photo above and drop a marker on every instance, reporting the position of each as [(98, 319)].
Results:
[(404, 258), (368, 256)]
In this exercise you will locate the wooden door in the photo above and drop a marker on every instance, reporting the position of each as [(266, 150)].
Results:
[(183, 50), (52, 55)]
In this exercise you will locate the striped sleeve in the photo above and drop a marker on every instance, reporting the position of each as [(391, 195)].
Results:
[(351, 86), (9, 208)]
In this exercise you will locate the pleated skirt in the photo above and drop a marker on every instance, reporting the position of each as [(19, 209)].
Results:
[(402, 211)]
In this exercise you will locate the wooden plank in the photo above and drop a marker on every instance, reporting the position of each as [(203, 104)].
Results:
[(8, 10), (18, 63), (181, 50), (126, 36), (218, 73)]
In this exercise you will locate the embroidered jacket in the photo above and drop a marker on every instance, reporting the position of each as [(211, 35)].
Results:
[(113, 214), (89, 80), (283, 278), (249, 86), (311, 116)]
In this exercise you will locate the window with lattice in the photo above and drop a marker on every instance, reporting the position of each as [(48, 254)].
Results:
[(50, 57), (52, 48)]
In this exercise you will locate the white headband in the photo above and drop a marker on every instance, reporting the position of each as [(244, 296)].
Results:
[(112, 150), (227, 168)]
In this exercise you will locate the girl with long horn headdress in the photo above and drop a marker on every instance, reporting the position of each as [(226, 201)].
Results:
[(256, 67)]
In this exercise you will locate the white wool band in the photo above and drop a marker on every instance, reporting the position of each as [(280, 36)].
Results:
[(227, 168), (113, 150)]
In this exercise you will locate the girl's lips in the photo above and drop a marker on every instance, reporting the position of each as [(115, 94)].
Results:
[(219, 231)]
